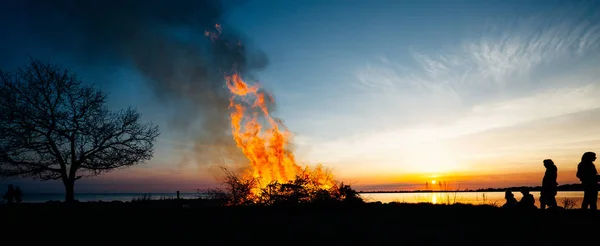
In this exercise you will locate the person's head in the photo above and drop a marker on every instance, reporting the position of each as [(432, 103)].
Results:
[(10, 187), (548, 163), (588, 157), (508, 194), (525, 191)]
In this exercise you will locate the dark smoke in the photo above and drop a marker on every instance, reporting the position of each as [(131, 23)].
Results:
[(164, 40)]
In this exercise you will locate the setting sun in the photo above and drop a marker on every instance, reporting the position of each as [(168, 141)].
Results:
[(433, 182)]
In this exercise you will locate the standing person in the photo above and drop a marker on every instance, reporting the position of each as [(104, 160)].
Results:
[(10, 194), (549, 185), (588, 175)]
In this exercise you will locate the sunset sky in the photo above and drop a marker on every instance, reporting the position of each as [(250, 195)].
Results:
[(390, 94)]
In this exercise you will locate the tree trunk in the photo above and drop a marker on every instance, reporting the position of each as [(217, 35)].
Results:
[(70, 190)]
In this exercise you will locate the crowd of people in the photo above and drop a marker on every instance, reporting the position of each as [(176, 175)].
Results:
[(587, 174)]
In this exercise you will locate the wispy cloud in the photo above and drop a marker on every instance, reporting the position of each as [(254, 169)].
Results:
[(501, 56), (534, 41)]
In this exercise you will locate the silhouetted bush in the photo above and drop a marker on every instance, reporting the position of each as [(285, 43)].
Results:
[(568, 203), (304, 189)]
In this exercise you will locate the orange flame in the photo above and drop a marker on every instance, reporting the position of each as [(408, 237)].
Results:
[(265, 146)]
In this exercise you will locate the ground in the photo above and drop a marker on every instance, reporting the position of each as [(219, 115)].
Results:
[(372, 224)]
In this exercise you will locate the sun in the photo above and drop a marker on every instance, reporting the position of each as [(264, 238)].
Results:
[(433, 182)]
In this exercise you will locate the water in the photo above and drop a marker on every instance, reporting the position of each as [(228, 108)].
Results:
[(563, 198), (497, 198)]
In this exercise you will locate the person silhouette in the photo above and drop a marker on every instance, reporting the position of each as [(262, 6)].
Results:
[(18, 195), (549, 185), (527, 201), (511, 202), (588, 175), (10, 194)]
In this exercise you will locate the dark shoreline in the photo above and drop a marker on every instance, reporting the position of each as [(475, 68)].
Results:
[(206, 223)]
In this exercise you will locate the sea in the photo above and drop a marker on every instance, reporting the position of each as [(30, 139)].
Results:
[(564, 198)]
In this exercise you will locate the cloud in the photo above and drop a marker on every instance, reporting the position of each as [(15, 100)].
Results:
[(393, 78), (535, 41), (545, 104), (503, 56)]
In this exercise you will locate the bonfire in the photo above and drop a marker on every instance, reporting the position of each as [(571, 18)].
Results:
[(264, 140)]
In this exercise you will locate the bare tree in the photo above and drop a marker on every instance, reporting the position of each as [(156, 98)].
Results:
[(52, 127)]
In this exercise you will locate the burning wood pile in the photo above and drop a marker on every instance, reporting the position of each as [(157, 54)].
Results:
[(273, 175)]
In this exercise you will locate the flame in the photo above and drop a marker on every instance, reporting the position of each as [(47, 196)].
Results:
[(265, 146), (263, 139)]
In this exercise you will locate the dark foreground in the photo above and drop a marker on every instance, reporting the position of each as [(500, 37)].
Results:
[(168, 222)]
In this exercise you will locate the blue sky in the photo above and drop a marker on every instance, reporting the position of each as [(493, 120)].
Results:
[(408, 90)]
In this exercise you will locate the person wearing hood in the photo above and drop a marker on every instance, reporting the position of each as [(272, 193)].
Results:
[(588, 175), (549, 185)]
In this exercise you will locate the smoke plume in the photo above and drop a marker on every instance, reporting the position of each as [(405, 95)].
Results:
[(164, 41)]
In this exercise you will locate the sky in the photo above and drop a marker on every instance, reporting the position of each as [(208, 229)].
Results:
[(389, 94)]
